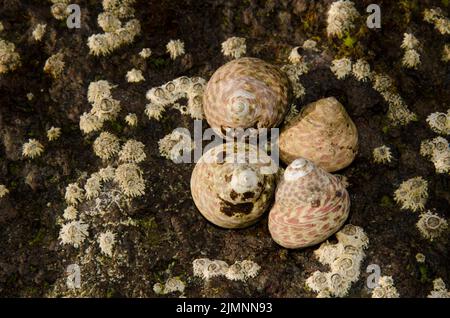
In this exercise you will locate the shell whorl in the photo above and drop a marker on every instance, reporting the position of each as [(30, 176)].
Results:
[(298, 169)]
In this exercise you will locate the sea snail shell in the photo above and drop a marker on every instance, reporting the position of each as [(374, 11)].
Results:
[(324, 133), (229, 189), (310, 205), (246, 93)]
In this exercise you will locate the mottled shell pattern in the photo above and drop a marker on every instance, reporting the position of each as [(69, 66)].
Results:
[(233, 184), (324, 133), (246, 93), (310, 205)]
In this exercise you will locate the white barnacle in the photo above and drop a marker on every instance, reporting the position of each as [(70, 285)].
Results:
[(135, 76), (99, 90), (431, 225), (310, 45), (341, 17), (382, 82), (129, 177), (106, 145), (3, 190), (410, 42), (55, 65), (361, 70), (39, 31), (108, 22), (70, 213), (385, 288), (90, 122), (131, 119), (294, 56), (93, 186), (106, 241), (412, 194), (132, 151), (145, 53), (439, 122), (73, 233), (420, 258), (411, 59), (175, 145), (74, 194), (341, 67), (175, 48), (154, 111), (439, 289), (382, 154), (59, 9), (53, 133), (173, 284), (107, 174), (106, 109), (234, 47), (32, 149), (101, 44), (9, 58)]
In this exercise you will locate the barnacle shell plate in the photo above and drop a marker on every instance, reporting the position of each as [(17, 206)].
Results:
[(324, 133), (246, 93), (232, 184), (310, 205)]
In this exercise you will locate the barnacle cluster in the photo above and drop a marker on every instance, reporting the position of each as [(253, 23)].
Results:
[(73, 233), (172, 285), (53, 133), (343, 67), (104, 107), (135, 76), (412, 194), (411, 58), (175, 48), (106, 241), (175, 145), (55, 65), (294, 70), (436, 17), (344, 259), (39, 31), (431, 225), (116, 34), (341, 17), (438, 150), (385, 288), (239, 271), (382, 154), (32, 149), (9, 58), (3, 190), (398, 111), (439, 289), (440, 122), (167, 94), (234, 47)]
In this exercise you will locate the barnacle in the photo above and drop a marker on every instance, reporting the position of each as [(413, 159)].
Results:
[(317, 281), (9, 58), (341, 17), (234, 47), (309, 45), (174, 145), (3, 190), (154, 111), (90, 122), (175, 48), (431, 226), (131, 120), (39, 31), (361, 70), (439, 289), (412, 194), (70, 213), (93, 186), (145, 53), (234, 272), (74, 194), (129, 178), (106, 145), (108, 22), (32, 149), (239, 271), (242, 270), (59, 9), (341, 67), (73, 233), (410, 42), (107, 174), (132, 151), (173, 284), (438, 150), (382, 83), (293, 72), (446, 53), (294, 56), (119, 8), (99, 90), (101, 44), (436, 16), (420, 258), (411, 59), (107, 109), (55, 65), (135, 76), (385, 288), (440, 122), (53, 133), (382, 154), (106, 241)]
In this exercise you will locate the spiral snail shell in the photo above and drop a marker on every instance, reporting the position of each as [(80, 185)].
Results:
[(232, 184), (324, 133), (246, 93), (310, 205)]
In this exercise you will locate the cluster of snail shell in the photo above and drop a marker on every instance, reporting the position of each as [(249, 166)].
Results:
[(233, 184)]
